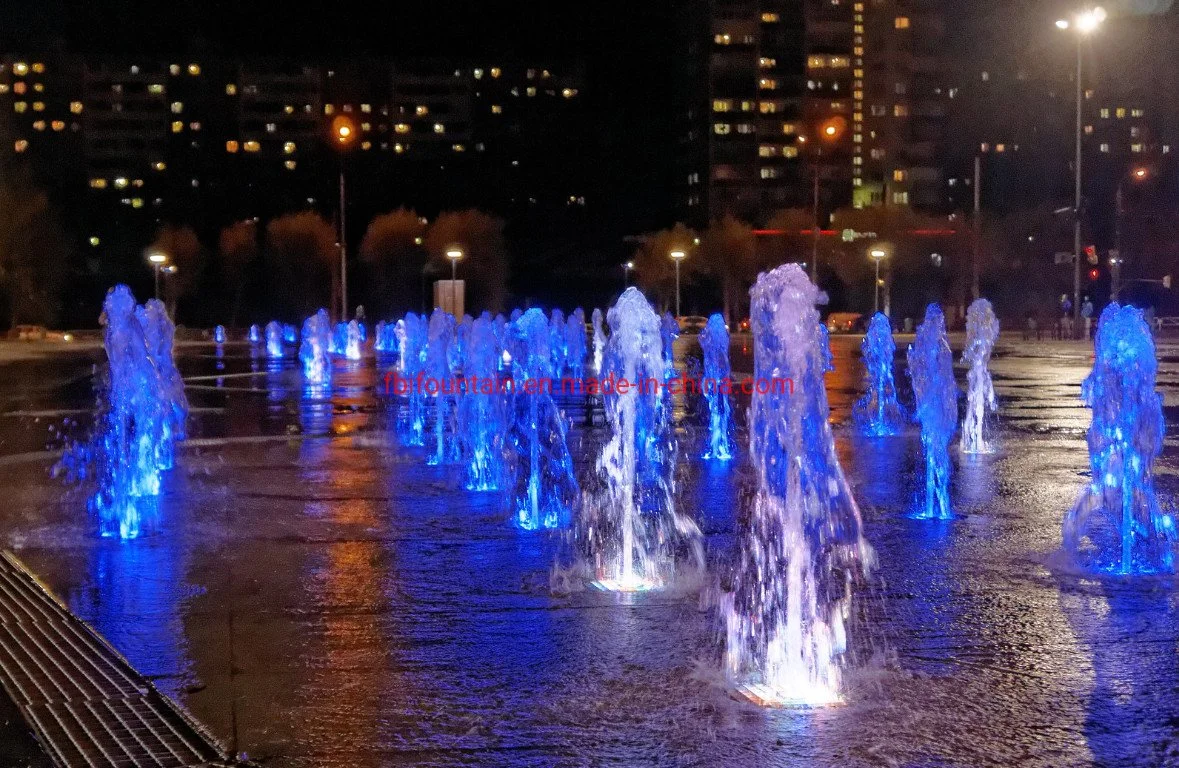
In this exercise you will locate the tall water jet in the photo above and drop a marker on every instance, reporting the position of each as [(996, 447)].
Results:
[(599, 340), (439, 384), (802, 546), (982, 331), (714, 341), (290, 334), (314, 352), (575, 343), (669, 330), (877, 413), (544, 487), (557, 343), (931, 369), (159, 335), (413, 357), (482, 414), (219, 334), (632, 532), (352, 340), (255, 334), (1116, 524), (140, 414), (274, 339)]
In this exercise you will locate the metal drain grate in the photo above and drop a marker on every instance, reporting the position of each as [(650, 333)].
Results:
[(87, 705)]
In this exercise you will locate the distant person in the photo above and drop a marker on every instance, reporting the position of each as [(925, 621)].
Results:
[(1066, 317), (1031, 326), (1087, 314)]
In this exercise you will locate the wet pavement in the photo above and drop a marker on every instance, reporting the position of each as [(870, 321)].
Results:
[(318, 596)]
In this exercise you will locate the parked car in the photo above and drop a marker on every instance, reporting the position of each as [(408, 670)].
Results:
[(845, 322), (691, 325)]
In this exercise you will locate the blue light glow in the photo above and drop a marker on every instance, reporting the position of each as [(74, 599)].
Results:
[(877, 413), (714, 341), (931, 369)]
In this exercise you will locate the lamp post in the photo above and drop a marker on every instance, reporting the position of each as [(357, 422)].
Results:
[(157, 260), (1116, 259), (344, 132), (878, 255), (1085, 24), (626, 268), (454, 254), (677, 257)]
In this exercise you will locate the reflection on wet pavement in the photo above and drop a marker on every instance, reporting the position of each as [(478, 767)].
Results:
[(321, 597)]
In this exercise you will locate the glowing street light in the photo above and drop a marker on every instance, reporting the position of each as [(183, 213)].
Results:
[(1084, 24), (454, 254), (677, 256), (878, 255), (1116, 259), (343, 131), (626, 269), (157, 260)]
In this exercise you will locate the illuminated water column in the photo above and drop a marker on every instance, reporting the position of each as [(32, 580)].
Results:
[(314, 352), (878, 413), (714, 341), (931, 369), (802, 547), (482, 412), (1116, 524), (982, 331), (274, 339), (439, 385)]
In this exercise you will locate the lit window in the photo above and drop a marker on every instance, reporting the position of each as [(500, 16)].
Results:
[(1088, 130), (177, 126), (94, 241), (722, 39), (20, 68), (789, 151), (816, 62), (1137, 147), (767, 150), (767, 63), (366, 126), (366, 108), (744, 128), (768, 107), (531, 90), (458, 148), (38, 67), (347, 107), (1121, 112), (421, 110), (366, 145), (271, 127), (569, 93), (747, 106), (289, 165), (900, 198), (767, 84), (478, 73), (770, 173), (900, 110), (76, 107), (876, 153), (721, 129), (402, 128), (898, 175), (38, 125), (137, 202), (38, 106), (1135, 132), (288, 147), (39, 87), (121, 183), (177, 107), (496, 72), (155, 88), (252, 146), (1137, 113), (19, 106), (58, 125), (789, 129), (399, 148), (231, 146), (770, 18), (20, 145), (289, 109), (194, 69), (439, 128), (721, 105), (230, 89), (496, 109), (329, 109), (98, 183), (901, 22), (1000, 147), (1104, 148), (3, 87)]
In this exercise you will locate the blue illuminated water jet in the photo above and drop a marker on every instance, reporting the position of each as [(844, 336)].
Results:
[(290, 334), (314, 352), (352, 340), (931, 369), (544, 487), (714, 342), (141, 414), (439, 385), (877, 413), (219, 334), (1116, 524), (982, 331), (575, 343), (255, 334), (413, 342), (482, 413), (557, 342), (802, 546), (599, 340), (274, 339), (633, 536)]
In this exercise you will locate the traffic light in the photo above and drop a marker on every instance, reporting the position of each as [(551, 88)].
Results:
[(1094, 274), (1091, 253)]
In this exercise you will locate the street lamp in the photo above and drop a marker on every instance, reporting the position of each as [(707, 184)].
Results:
[(829, 132), (157, 260), (344, 135), (626, 268), (1115, 258), (1084, 24), (878, 255), (454, 254), (677, 256)]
